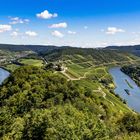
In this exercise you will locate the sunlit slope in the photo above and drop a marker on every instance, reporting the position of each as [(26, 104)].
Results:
[(38, 104), (89, 68), (89, 56)]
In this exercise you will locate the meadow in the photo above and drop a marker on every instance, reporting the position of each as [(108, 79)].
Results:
[(33, 62)]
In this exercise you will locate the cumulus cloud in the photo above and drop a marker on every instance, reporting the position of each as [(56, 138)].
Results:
[(114, 30), (57, 34), (17, 20), (71, 32), (5, 28), (46, 15), (59, 25), (31, 33)]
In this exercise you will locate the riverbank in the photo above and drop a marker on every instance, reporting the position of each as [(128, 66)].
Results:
[(2, 67), (133, 100), (4, 74)]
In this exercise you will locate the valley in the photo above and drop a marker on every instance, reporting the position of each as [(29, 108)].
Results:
[(68, 83), (69, 70)]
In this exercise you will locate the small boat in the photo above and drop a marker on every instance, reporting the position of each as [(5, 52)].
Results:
[(127, 91)]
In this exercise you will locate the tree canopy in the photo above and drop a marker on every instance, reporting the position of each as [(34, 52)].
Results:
[(40, 105)]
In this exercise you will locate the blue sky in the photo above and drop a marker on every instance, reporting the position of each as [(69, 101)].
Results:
[(83, 23)]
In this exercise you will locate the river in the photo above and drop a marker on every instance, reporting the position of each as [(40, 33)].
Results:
[(3, 75), (121, 81)]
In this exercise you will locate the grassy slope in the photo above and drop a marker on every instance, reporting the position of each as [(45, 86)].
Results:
[(92, 80), (33, 62), (89, 67), (35, 116), (88, 72), (89, 56), (84, 72)]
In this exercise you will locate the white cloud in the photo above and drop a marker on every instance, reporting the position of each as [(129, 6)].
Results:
[(17, 20), (5, 28), (31, 33), (71, 32), (14, 18), (46, 15), (57, 34), (14, 34), (114, 30), (59, 25)]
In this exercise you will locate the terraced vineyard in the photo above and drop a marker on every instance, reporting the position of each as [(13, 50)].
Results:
[(93, 80)]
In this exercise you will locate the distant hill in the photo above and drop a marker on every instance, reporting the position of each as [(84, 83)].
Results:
[(34, 48), (78, 55), (135, 49), (66, 49), (97, 56)]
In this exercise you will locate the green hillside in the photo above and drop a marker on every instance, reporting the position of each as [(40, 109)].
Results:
[(134, 49), (7, 56), (77, 102), (90, 56), (38, 104), (80, 62)]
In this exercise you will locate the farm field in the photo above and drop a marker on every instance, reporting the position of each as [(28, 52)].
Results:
[(98, 80), (33, 62)]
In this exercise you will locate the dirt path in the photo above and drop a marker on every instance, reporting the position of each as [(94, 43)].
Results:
[(94, 66), (73, 79), (104, 94), (100, 91)]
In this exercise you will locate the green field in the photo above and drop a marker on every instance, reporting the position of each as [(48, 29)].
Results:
[(89, 76), (33, 62), (74, 102)]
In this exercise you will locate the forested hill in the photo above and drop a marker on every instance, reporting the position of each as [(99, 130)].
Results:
[(134, 49), (96, 56), (108, 54), (34, 48), (41, 105)]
